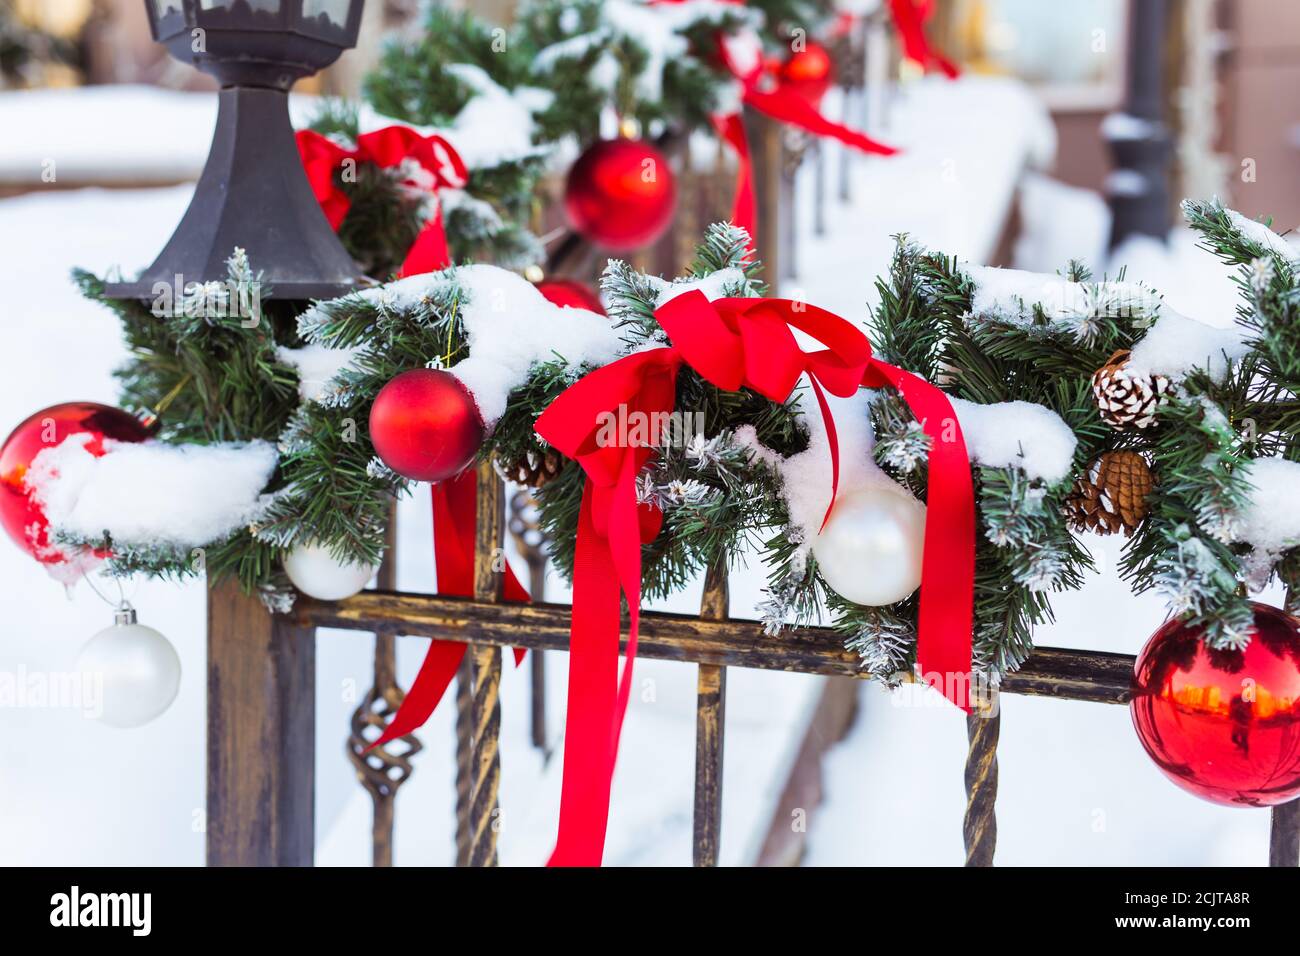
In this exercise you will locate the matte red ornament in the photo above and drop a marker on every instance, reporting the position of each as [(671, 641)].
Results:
[(23, 519), (425, 426), (1223, 725), (572, 294), (620, 194), (808, 73)]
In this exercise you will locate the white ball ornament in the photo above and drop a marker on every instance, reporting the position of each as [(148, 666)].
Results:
[(317, 573), (870, 550), (135, 668)]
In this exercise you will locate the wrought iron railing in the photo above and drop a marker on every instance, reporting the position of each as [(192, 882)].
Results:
[(260, 762)]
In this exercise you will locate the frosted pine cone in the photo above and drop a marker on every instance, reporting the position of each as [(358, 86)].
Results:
[(535, 470), (1127, 400), (1112, 496)]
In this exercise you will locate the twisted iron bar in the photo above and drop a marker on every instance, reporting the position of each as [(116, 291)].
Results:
[(464, 749), (980, 826)]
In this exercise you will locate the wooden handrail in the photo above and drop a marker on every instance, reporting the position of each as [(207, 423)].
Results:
[(1094, 676)]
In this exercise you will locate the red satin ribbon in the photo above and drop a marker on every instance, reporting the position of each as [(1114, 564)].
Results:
[(434, 165), (732, 343), (607, 563), (454, 521), (744, 208), (909, 18)]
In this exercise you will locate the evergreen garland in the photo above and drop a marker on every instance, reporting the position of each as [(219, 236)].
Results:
[(1210, 432), (598, 58), (1024, 549), (208, 366), (217, 374)]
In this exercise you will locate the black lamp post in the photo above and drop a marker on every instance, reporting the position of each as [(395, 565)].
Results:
[(1138, 188), (253, 191)]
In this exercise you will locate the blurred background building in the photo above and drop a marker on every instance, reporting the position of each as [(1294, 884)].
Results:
[(1228, 68)]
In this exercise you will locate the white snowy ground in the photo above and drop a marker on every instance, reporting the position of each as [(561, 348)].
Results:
[(78, 793)]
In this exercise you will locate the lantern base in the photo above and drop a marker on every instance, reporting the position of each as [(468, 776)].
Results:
[(253, 193)]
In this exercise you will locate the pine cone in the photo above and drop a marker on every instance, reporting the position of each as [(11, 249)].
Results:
[(534, 470), (1112, 495), (1124, 399)]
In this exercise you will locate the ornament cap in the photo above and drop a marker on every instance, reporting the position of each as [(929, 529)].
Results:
[(148, 419), (629, 127), (124, 616)]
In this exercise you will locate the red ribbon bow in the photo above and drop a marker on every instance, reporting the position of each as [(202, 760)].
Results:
[(735, 343), (732, 343), (431, 164)]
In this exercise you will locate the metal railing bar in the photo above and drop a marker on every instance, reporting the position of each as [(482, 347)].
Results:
[(980, 825), (464, 757), (1096, 676), (710, 725), (1284, 835), (485, 668)]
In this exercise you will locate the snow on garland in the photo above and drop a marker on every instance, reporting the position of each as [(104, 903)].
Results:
[(317, 367), (507, 325), (1053, 303), (1260, 234), (659, 33), (1269, 519), (510, 328), (1176, 344), (152, 495), (496, 126), (1022, 435)]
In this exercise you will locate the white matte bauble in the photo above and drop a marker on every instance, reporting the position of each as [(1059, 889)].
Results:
[(136, 671), (317, 573), (870, 550)]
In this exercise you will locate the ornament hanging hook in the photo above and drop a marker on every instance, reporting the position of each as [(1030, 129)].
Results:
[(121, 607)]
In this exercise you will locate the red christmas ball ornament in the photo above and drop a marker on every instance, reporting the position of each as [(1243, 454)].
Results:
[(425, 426), (808, 73), (572, 294), (620, 194), (1223, 725), (23, 519)]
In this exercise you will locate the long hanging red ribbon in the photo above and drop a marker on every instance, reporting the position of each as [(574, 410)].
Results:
[(454, 518), (432, 164), (607, 564), (733, 343), (784, 105), (744, 210), (909, 17)]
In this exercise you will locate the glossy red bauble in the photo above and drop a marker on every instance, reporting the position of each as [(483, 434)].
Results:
[(571, 293), (1224, 725), (620, 194), (23, 518), (425, 426), (808, 73)]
